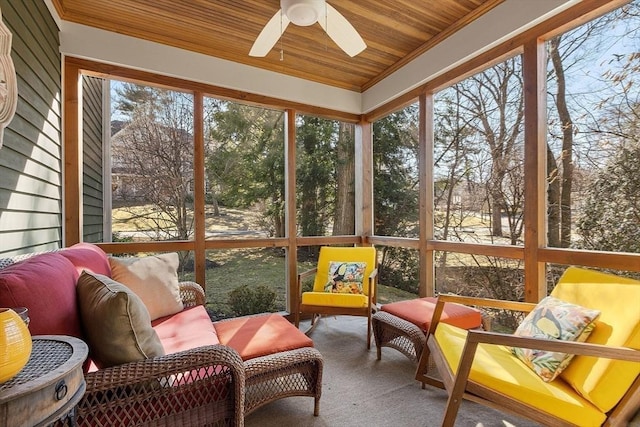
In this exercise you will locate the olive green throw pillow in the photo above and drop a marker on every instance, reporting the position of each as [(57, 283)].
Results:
[(115, 321)]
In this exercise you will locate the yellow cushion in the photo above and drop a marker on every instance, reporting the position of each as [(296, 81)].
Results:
[(497, 368), (603, 381), (349, 254), (334, 300)]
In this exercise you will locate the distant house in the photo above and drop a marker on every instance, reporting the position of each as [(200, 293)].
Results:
[(150, 163)]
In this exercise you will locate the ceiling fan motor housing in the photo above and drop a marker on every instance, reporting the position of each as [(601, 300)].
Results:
[(303, 12)]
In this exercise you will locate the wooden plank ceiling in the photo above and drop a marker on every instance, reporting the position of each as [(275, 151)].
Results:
[(395, 32)]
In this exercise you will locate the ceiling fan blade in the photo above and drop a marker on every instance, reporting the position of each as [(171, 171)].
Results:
[(342, 32), (269, 35)]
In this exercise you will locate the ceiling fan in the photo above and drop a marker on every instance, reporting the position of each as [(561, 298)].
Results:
[(305, 13)]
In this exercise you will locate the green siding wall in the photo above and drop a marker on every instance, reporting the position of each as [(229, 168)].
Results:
[(92, 159), (30, 159)]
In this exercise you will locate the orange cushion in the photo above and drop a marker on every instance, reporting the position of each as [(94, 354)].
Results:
[(187, 329), (255, 336), (419, 312)]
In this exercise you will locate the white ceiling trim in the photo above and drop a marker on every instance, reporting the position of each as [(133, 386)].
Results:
[(104, 46)]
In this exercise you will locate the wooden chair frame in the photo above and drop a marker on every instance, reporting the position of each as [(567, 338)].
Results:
[(317, 310), (459, 386)]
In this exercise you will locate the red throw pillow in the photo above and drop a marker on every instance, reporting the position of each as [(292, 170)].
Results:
[(86, 256), (46, 285)]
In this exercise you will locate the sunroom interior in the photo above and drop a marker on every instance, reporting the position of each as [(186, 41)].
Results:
[(480, 137)]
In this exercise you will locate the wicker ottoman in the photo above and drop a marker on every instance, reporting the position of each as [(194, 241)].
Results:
[(279, 359), (403, 325)]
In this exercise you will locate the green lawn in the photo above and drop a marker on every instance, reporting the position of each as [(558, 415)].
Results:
[(231, 268)]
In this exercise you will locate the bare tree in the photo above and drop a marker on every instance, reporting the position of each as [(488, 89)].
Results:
[(572, 57), (493, 99), (153, 161), (610, 217), (559, 195)]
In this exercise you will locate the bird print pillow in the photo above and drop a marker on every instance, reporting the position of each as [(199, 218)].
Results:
[(553, 319), (345, 277)]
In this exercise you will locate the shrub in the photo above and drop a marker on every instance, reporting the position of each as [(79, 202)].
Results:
[(307, 285), (247, 299), (399, 269), (118, 237)]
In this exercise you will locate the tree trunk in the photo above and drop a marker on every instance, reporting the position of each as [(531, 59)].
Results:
[(496, 217), (279, 226), (567, 144), (553, 201), (344, 215), (496, 198), (216, 206)]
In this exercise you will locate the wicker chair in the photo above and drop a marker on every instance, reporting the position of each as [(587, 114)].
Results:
[(204, 386), (219, 388)]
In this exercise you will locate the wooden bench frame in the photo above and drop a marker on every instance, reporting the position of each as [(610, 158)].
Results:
[(459, 386)]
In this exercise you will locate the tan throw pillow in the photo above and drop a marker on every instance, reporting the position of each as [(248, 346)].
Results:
[(154, 279), (115, 321)]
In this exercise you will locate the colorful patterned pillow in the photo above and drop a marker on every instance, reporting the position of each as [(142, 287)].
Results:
[(345, 277), (553, 319)]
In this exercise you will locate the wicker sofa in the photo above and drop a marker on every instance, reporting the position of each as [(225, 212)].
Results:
[(210, 373)]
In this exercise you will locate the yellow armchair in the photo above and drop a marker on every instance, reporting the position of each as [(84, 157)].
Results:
[(344, 284), (600, 386)]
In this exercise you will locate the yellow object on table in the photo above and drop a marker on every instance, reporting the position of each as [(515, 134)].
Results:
[(15, 344)]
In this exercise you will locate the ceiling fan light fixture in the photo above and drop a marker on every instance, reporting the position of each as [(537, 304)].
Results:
[(302, 12), (305, 13)]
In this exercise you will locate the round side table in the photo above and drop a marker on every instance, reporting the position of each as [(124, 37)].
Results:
[(50, 385)]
